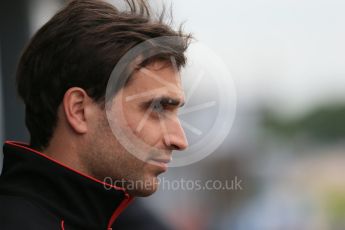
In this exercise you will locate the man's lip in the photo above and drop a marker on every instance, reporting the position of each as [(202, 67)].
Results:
[(162, 160), (163, 163)]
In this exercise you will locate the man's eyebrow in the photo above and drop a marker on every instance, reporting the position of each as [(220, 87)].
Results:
[(164, 100)]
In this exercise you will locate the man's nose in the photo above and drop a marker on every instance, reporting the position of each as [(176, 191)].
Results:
[(174, 136)]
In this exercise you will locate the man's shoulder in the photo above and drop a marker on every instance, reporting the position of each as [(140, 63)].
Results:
[(19, 213)]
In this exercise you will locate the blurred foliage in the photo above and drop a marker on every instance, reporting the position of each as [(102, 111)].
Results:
[(326, 123), (335, 208)]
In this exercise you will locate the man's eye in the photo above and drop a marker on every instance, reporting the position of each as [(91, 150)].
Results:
[(157, 107)]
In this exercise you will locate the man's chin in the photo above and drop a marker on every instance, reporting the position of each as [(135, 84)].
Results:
[(141, 193), (143, 188)]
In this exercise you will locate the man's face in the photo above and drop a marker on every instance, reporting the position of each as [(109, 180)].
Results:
[(146, 112)]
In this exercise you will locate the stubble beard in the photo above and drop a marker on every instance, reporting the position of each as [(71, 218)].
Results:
[(107, 160)]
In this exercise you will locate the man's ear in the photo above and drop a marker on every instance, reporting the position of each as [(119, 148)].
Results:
[(75, 102)]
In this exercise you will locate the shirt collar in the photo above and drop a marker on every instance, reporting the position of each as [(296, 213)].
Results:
[(77, 199)]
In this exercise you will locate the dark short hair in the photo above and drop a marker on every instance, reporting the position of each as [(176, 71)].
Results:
[(79, 47)]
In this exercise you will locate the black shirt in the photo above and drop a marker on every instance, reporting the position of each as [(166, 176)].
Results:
[(39, 193)]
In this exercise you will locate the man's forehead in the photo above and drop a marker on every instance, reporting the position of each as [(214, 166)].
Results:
[(159, 79), (161, 93), (156, 85)]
